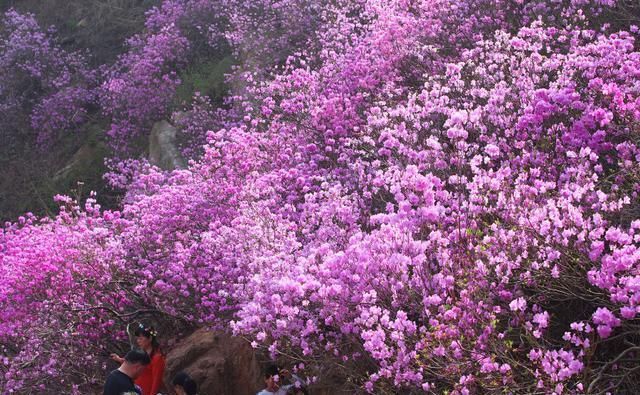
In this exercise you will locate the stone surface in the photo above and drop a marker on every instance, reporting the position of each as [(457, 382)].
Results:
[(219, 363), (81, 159), (225, 365), (163, 151)]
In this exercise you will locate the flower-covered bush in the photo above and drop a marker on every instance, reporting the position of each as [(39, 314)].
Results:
[(44, 90), (431, 196), (56, 276), (140, 87)]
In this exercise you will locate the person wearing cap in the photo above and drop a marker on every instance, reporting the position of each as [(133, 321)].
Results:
[(150, 380), (121, 380)]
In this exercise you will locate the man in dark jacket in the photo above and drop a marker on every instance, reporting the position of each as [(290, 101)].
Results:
[(120, 381)]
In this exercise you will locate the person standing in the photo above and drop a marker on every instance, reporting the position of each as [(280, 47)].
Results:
[(121, 380), (150, 380)]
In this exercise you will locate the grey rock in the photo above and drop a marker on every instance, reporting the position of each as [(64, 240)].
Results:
[(163, 150)]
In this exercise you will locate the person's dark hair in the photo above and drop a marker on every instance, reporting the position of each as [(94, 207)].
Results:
[(298, 391), (186, 382), (137, 356), (149, 332), (179, 378), (271, 370)]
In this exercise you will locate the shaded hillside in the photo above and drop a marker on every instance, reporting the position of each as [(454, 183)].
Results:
[(73, 164), (100, 27)]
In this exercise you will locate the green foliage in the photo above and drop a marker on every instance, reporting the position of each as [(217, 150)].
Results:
[(207, 78), (70, 167)]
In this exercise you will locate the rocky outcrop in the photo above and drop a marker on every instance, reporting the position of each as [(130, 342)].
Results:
[(163, 150), (225, 365), (219, 363), (80, 160)]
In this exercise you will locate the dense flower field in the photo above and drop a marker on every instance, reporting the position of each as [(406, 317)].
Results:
[(431, 195)]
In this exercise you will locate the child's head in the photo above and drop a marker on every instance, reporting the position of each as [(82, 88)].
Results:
[(183, 384)]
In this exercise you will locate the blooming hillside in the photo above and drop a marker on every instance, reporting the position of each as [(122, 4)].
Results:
[(432, 195)]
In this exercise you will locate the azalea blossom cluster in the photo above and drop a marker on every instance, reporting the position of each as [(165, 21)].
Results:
[(43, 87), (140, 87), (430, 196)]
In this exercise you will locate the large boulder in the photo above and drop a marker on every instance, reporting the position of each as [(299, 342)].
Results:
[(219, 363), (163, 150)]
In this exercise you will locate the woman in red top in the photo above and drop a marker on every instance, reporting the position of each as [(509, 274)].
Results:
[(151, 378), (150, 381)]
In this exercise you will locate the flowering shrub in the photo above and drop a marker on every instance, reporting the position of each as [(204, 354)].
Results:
[(142, 84), (436, 196), (48, 330), (139, 89), (50, 86)]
